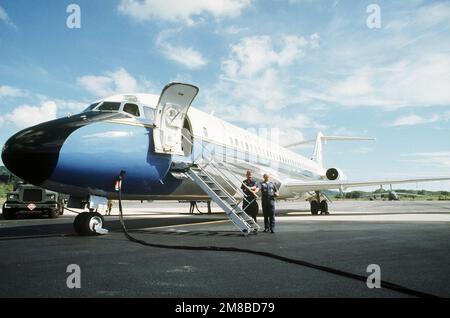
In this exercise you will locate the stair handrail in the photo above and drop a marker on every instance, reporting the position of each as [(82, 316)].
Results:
[(224, 177)]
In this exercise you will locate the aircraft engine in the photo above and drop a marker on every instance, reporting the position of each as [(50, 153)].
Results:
[(335, 174)]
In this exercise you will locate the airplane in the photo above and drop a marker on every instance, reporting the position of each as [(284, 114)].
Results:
[(393, 195), (149, 137)]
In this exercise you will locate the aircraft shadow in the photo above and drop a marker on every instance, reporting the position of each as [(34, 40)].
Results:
[(135, 225), (189, 233), (66, 229)]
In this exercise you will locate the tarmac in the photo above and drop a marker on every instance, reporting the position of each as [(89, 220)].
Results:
[(408, 240)]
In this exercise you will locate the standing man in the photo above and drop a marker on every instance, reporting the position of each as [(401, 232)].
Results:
[(268, 193), (250, 205), (108, 210), (192, 206)]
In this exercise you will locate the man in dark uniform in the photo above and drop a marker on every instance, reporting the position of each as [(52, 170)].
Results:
[(250, 205), (268, 193)]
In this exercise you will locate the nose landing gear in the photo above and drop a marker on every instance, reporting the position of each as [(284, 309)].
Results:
[(89, 223)]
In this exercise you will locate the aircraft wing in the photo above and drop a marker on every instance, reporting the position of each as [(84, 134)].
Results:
[(318, 185)]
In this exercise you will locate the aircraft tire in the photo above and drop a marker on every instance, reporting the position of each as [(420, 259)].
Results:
[(53, 214), (83, 224), (77, 222), (8, 214), (61, 208), (314, 207)]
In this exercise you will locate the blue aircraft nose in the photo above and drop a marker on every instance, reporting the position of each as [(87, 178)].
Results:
[(32, 154), (84, 153)]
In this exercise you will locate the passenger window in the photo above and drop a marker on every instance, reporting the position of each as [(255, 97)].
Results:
[(109, 106), (132, 109), (149, 114), (205, 132)]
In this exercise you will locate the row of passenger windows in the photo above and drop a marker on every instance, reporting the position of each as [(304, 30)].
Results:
[(256, 149)]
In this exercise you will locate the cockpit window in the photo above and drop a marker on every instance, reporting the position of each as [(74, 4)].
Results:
[(109, 106), (132, 109), (91, 107)]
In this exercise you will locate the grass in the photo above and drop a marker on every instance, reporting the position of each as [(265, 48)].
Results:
[(4, 189)]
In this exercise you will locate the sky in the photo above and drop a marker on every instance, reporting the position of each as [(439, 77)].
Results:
[(355, 68)]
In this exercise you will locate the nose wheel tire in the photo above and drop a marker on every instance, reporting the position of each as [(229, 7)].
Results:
[(89, 223)]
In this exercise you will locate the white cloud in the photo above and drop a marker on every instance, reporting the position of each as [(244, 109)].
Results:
[(255, 87), (422, 81), (358, 84), (413, 119), (186, 56), (9, 91), (258, 116), (419, 15), (116, 82), (70, 105), (440, 159), (25, 115), (258, 71), (434, 14), (5, 18), (185, 11), (97, 85), (254, 54), (231, 30)]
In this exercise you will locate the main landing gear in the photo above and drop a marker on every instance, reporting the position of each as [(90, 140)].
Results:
[(318, 205), (89, 223)]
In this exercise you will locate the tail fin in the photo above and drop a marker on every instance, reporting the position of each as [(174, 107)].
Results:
[(320, 139)]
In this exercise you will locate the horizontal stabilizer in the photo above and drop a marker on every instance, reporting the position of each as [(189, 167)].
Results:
[(325, 138), (320, 139)]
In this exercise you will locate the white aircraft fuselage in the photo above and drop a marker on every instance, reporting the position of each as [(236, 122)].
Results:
[(145, 135)]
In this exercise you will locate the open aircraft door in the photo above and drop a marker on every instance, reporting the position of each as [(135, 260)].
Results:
[(173, 104)]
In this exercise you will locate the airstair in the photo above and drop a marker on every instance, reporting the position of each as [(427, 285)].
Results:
[(222, 186), (223, 199)]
